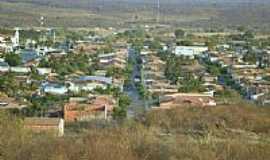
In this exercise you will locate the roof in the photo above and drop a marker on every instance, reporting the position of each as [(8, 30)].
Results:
[(107, 80), (190, 95), (100, 73), (106, 55), (28, 55), (189, 50), (10, 103), (42, 121), (91, 104)]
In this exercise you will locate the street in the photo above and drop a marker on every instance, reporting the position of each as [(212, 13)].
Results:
[(137, 104)]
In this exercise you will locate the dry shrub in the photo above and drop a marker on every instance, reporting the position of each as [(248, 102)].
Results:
[(147, 141), (205, 120), (219, 150)]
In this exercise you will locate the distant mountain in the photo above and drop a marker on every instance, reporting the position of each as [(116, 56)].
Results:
[(86, 3)]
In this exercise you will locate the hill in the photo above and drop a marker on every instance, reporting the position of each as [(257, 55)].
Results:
[(85, 13)]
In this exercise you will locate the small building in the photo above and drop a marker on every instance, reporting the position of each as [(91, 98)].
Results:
[(101, 73), (189, 51), (4, 67), (209, 79), (89, 83), (107, 56), (28, 55), (22, 70), (117, 59), (81, 109), (54, 126), (7, 103), (44, 71), (53, 88)]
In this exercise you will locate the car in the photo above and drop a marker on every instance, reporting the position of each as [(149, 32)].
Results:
[(137, 79)]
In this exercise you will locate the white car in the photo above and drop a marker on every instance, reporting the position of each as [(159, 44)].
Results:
[(137, 80)]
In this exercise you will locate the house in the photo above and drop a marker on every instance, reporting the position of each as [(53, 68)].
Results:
[(89, 83), (88, 47), (255, 96), (186, 99), (44, 71), (117, 59), (100, 73), (264, 59), (244, 66), (81, 109), (56, 53), (10, 103), (54, 88), (223, 47), (23, 70), (4, 67), (106, 56), (189, 51), (28, 55), (66, 46), (209, 79), (154, 79), (48, 125)]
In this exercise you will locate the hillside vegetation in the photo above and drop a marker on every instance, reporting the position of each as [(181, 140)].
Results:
[(238, 132), (86, 13)]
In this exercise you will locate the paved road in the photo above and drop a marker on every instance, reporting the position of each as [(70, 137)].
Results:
[(137, 104)]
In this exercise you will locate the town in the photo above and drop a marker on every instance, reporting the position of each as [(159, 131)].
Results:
[(54, 77), (134, 80)]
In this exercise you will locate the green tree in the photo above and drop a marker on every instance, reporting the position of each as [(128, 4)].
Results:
[(211, 45), (155, 45), (120, 112), (13, 59), (9, 85), (179, 33), (250, 57), (190, 84), (241, 28), (184, 43), (249, 35)]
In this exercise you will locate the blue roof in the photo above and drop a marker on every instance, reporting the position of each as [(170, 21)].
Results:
[(107, 80), (53, 85), (28, 55)]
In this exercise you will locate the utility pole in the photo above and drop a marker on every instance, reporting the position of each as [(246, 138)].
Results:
[(158, 11), (54, 36), (105, 112)]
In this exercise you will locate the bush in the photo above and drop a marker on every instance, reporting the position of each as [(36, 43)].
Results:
[(13, 59), (226, 132), (179, 33)]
